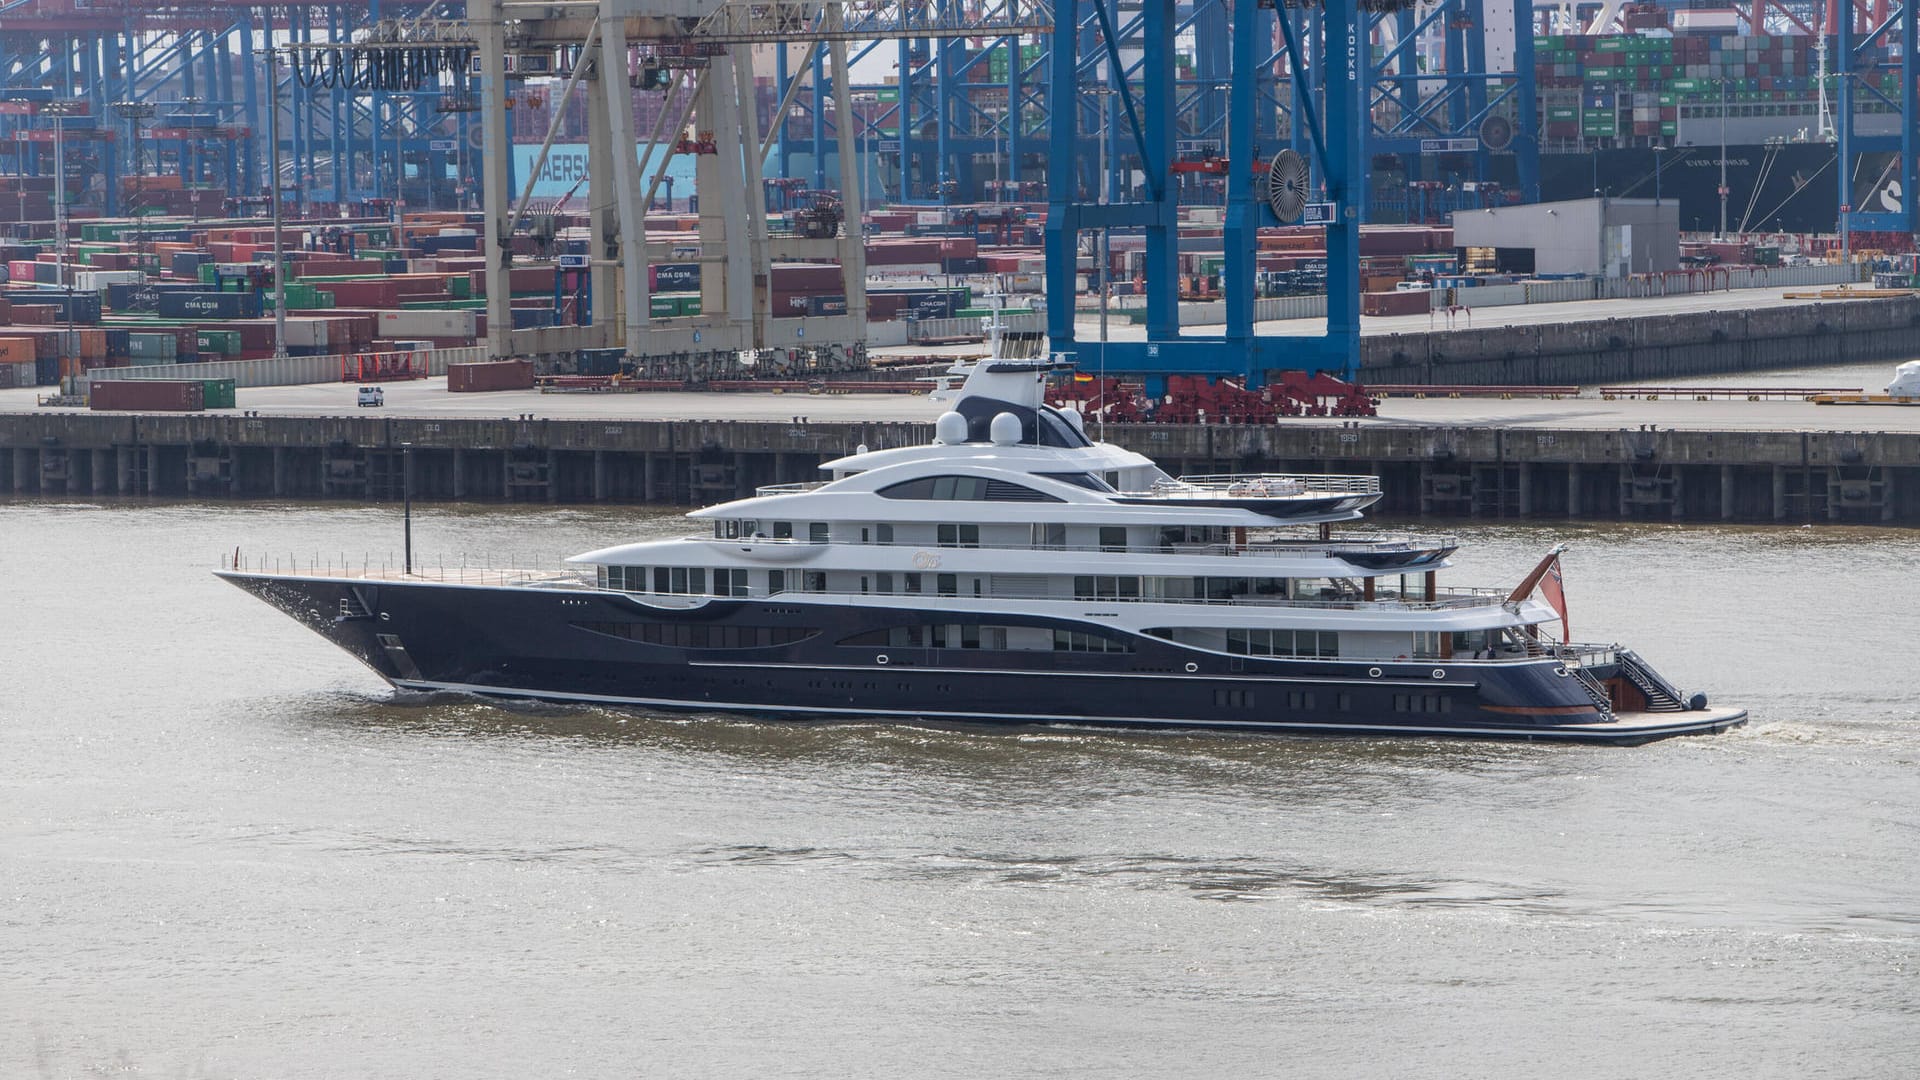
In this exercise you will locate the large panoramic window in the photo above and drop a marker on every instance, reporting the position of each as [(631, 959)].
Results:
[(965, 489)]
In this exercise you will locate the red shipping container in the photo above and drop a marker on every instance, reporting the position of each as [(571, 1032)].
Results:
[(815, 277), (1396, 303), (372, 293), (147, 395), (500, 375)]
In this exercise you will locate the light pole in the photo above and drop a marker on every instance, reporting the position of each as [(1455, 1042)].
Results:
[(1723, 159), (273, 198), (133, 112), (60, 110)]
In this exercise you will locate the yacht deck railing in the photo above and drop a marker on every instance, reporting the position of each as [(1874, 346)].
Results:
[(1258, 549), (1257, 486)]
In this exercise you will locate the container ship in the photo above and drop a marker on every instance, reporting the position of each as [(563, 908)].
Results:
[(1644, 114)]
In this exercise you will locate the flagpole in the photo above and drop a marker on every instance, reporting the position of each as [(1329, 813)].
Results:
[(1532, 580)]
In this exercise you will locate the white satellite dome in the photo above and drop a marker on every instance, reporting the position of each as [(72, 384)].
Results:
[(1005, 430), (950, 429)]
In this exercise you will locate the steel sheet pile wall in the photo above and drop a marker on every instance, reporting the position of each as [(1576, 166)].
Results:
[(1436, 471), (1650, 347)]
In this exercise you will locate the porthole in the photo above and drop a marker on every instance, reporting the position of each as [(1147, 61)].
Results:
[(881, 659), (1562, 672), (1192, 667), (1439, 673), (1373, 673)]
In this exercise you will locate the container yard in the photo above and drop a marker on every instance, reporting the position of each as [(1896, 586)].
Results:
[(272, 200)]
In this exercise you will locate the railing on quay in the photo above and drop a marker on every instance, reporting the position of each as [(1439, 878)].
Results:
[(288, 370), (1453, 390), (1705, 393)]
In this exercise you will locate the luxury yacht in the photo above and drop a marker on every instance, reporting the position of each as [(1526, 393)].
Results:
[(1016, 571)]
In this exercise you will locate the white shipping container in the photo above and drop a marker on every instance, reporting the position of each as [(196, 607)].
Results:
[(427, 324), (96, 280), (306, 333)]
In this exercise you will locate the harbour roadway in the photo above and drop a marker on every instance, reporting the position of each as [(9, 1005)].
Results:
[(429, 398)]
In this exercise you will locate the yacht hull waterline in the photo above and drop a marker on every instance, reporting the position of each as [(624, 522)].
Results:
[(1015, 572)]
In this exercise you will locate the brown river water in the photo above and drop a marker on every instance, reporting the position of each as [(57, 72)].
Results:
[(227, 850)]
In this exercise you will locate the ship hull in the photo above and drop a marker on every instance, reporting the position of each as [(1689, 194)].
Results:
[(1791, 188), (762, 657)]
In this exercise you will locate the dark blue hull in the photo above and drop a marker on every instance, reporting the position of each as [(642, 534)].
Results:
[(761, 657)]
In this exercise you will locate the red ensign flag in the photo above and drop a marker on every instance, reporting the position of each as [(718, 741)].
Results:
[(1555, 592)]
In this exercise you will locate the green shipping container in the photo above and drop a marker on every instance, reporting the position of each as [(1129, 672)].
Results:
[(217, 393), (223, 342)]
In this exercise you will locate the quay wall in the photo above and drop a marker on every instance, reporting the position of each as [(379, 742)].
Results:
[(1467, 472), (1605, 351)]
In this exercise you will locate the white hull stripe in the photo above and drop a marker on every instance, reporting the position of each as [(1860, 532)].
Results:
[(1602, 732)]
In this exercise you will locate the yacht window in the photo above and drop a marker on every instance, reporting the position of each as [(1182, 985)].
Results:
[(1113, 538), (965, 488), (1079, 479), (958, 535), (819, 532), (913, 583), (1104, 587), (776, 582), (1113, 480), (731, 583), (947, 584), (883, 533), (1049, 536), (883, 583), (1426, 644), (814, 581), (783, 530), (1283, 643), (688, 636), (940, 636), (681, 580), (1469, 643), (1076, 641), (959, 487)]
